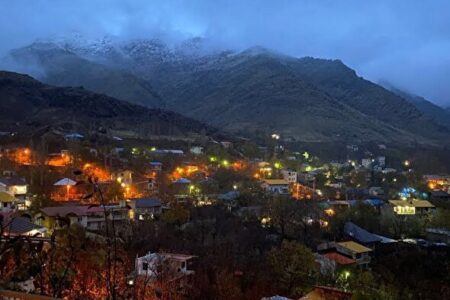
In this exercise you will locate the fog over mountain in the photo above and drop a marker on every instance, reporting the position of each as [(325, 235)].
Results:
[(403, 42)]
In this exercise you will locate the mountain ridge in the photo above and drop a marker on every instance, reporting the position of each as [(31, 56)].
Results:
[(61, 67), (28, 105), (258, 90), (439, 114)]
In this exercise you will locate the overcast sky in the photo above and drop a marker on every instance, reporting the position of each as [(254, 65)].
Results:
[(405, 42)]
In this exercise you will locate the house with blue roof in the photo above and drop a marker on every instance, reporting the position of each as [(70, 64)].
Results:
[(375, 202), (360, 235), (156, 166)]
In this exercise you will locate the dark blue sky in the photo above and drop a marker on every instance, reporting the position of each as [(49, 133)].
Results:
[(405, 42)]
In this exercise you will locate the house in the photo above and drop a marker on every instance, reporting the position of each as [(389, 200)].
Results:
[(74, 136), (375, 202), (170, 265), (437, 181), (144, 208), (388, 170), (355, 251), (340, 204), (438, 195), (335, 185), (90, 217), (6, 201), (353, 148), (339, 258), (197, 150), (327, 293), (438, 235), (226, 144), (175, 152), (332, 262), (277, 186), (381, 161), (276, 297), (15, 186), (14, 226), (289, 175), (182, 188), (376, 191), (364, 237), (123, 177), (360, 235), (367, 162), (156, 166), (117, 151), (411, 207), (229, 199)]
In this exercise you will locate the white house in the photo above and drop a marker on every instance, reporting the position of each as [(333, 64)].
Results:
[(367, 162), (197, 150), (171, 265), (289, 175), (14, 186)]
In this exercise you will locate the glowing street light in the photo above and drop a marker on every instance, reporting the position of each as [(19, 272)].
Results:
[(346, 275), (306, 155), (406, 163), (330, 212), (275, 136)]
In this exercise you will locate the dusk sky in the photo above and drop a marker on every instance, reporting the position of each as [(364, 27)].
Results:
[(404, 42)]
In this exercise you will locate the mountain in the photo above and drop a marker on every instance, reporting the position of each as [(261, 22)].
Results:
[(337, 79), (258, 91), (57, 66), (250, 93), (307, 99), (27, 106), (438, 114)]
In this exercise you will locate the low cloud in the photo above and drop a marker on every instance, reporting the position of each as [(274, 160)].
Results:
[(404, 42)]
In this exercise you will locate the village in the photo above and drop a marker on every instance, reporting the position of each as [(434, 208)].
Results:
[(170, 209)]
